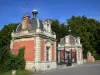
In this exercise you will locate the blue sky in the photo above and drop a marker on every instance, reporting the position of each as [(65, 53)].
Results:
[(11, 11)]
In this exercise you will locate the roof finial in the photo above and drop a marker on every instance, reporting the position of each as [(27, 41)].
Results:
[(34, 12)]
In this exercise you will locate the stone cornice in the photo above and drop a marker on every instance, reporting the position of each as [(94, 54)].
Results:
[(70, 46), (30, 35)]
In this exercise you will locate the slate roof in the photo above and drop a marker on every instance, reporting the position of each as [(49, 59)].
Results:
[(34, 24)]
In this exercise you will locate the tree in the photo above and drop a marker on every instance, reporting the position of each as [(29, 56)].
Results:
[(60, 29), (5, 34), (87, 29), (5, 37), (56, 28)]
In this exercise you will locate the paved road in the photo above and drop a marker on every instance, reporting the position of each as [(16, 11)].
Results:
[(93, 69)]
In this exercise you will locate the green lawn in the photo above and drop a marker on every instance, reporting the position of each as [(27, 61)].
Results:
[(18, 72)]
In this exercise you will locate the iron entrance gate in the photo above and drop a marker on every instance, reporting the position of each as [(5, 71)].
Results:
[(68, 57), (65, 56)]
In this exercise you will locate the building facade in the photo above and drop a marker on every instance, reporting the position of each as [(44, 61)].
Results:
[(39, 42), (70, 48)]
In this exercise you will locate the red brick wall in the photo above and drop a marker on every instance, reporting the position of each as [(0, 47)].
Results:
[(42, 50), (53, 52), (29, 49)]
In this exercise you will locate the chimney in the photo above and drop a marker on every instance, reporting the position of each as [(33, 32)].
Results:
[(25, 22)]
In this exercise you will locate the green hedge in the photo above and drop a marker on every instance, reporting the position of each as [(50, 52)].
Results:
[(10, 62), (97, 57)]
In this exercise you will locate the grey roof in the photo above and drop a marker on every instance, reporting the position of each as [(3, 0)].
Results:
[(71, 40), (34, 24)]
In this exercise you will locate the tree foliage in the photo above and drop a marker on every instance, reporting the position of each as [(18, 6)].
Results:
[(10, 62), (7, 60), (60, 29), (88, 29), (5, 34)]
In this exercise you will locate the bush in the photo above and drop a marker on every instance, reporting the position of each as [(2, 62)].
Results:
[(4, 58), (18, 62), (97, 57), (21, 59), (10, 62)]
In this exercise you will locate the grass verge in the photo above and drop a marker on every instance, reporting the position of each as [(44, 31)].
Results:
[(18, 72)]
